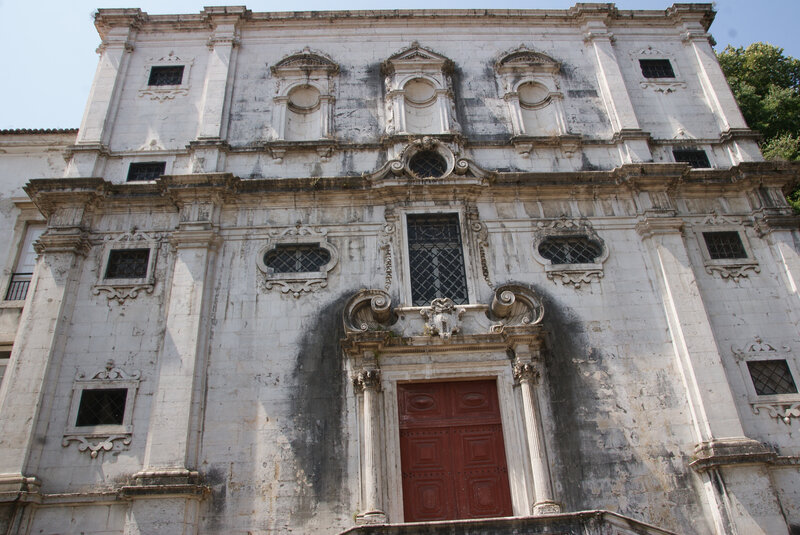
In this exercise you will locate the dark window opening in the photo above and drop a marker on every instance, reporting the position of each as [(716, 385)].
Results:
[(724, 245), (166, 75), (570, 250), (18, 287), (127, 264), (146, 170), (296, 258), (656, 68), (436, 258), (104, 406), (694, 157), (427, 164), (771, 377)]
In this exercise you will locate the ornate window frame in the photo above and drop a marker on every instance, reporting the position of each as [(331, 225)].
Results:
[(575, 275), (96, 439), (469, 236), (524, 66), (305, 68), (782, 407), (732, 268), (121, 289), (417, 62), (659, 85), (296, 283), (166, 92)]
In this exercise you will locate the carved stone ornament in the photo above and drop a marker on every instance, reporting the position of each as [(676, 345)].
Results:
[(120, 289), (573, 274), (481, 233), (782, 407), (526, 372), (369, 379), (733, 272), (443, 318), (106, 437), (385, 242), (368, 310), (296, 283), (515, 305), (732, 269), (456, 168)]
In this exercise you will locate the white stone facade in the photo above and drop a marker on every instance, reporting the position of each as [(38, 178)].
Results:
[(632, 311)]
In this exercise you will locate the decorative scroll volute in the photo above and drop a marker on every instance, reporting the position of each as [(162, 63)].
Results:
[(368, 310), (516, 305)]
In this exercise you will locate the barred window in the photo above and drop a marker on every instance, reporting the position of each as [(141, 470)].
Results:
[(427, 164), (296, 258), (436, 258), (570, 250), (656, 68), (725, 245), (696, 158), (167, 75), (127, 264), (102, 406), (771, 377), (146, 170)]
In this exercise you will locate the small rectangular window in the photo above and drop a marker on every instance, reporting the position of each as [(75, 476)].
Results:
[(696, 158), (5, 357), (656, 68), (771, 377), (102, 406), (436, 258), (170, 75), (724, 245), (127, 264), (146, 170)]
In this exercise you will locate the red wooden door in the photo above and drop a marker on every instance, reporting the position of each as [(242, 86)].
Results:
[(451, 451)]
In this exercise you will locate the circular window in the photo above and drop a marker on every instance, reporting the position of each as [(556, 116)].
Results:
[(531, 94), (419, 91), (427, 164), (304, 97)]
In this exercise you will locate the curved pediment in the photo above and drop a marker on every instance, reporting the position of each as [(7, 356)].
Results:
[(523, 59), (305, 61)]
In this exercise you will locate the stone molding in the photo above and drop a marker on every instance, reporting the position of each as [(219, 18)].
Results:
[(574, 275), (122, 289), (730, 451)]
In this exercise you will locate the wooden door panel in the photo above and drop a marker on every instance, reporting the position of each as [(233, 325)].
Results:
[(451, 451)]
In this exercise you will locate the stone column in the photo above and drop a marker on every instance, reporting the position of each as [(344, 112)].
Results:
[(517, 124), (528, 377), (615, 93), (26, 397), (94, 134), (368, 381), (326, 114), (729, 463)]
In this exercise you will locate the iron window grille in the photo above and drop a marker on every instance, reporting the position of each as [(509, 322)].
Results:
[(696, 158), (18, 287), (570, 250), (656, 68), (104, 406), (771, 377), (127, 264), (146, 170), (296, 258), (427, 164), (726, 245), (168, 75), (436, 258)]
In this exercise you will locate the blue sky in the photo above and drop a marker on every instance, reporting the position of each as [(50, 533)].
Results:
[(50, 58)]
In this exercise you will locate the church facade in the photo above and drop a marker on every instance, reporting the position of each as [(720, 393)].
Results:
[(397, 272)]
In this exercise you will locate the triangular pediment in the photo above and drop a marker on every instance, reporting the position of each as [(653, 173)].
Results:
[(417, 54)]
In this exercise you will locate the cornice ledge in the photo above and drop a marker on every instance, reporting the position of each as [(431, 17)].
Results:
[(17, 487), (740, 133), (730, 451), (50, 193), (169, 482), (651, 225)]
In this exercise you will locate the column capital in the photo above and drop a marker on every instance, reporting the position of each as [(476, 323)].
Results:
[(367, 379), (526, 372)]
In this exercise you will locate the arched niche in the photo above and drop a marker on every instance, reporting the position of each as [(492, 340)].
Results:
[(419, 93), (304, 101)]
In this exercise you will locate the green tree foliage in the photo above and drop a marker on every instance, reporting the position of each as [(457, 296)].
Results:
[(766, 84)]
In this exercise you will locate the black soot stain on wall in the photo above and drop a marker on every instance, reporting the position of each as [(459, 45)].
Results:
[(317, 433)]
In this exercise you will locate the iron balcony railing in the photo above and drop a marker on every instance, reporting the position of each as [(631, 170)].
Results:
[(18, 288)]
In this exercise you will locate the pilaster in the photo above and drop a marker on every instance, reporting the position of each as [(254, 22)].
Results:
[(632, 140), (368, 381)]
